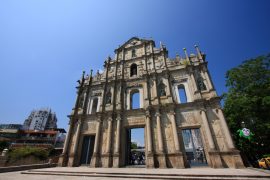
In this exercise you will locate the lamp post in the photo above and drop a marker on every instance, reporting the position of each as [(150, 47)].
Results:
[(243, 125)]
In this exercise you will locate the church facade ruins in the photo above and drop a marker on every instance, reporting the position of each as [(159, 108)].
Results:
[(178, 107)]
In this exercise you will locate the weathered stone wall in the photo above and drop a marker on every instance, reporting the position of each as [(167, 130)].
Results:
[(162, 114)]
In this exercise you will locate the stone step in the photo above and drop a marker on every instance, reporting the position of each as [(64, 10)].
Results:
[(147, 176)]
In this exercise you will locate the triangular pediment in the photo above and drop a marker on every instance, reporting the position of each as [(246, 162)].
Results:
[(134, 41)]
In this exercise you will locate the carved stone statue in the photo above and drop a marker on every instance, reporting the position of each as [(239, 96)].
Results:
[(200, 84), (109, 97), (162, 89)]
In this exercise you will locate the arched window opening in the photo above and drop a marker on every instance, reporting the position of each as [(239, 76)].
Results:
[(135, 100), (108, 97), (182, 94), (162, 89), (133, 70), (94, 105), (133, 53)]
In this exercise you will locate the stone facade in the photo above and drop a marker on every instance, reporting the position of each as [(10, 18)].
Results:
[(103, 110)]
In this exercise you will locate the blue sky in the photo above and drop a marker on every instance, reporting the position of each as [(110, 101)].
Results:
[(45, 45)]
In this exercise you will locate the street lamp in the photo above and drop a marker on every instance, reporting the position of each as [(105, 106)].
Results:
[(243, 125)]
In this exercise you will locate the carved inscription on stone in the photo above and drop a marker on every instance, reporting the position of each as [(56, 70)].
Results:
[(134, 84), (89, 127), (189, 119), (135, 121)]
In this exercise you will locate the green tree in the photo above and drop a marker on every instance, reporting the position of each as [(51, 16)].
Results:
[(24, 152), (134, 145), (248, 101)]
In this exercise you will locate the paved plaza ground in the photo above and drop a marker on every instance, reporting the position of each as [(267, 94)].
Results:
[(85, 173)]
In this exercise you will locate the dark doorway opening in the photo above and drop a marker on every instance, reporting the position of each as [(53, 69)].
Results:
[(135, 149), (87, 149), (194, 147)]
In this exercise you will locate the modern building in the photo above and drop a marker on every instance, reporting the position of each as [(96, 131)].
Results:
[(10, 132), (41, 119), (16, 136), (173, 99), (52, 138)]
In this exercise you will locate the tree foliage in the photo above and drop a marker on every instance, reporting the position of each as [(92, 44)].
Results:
[(133, 145), (24, 152), (248, 101)]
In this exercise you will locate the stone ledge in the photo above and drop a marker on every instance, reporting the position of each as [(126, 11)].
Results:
[(26, 167)]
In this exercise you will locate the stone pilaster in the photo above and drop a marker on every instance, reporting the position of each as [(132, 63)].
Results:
[(213, 153), (63, 158), (109, 136), (73, 155), (95, 158), (107, 156), (197, 94), (149, 157), (116, 160), (207, 130), (210, 86), (225, 129), (179, 159), (161, 155)]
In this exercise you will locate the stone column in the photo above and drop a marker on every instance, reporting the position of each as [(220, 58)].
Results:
[(225, 129), (161, 156), (141, 97), (207, 130), (107, 155), (73, 154), (149, 156), (63, 157), (196, 93), (175, 135), (159, 134), (179, 160), (94, 160), (128, 99), (109, 136), (208, 80), (149, 135), (96, 146), (65, 148), (77, 136), (117, 143), (67, 159), (215, 159)]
